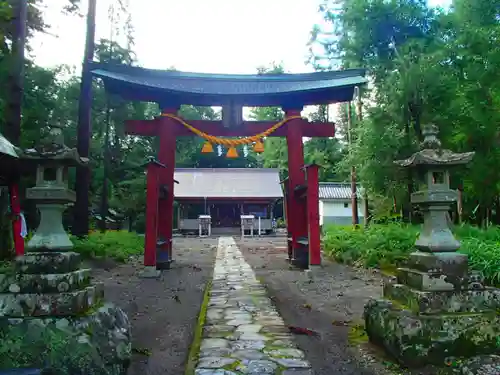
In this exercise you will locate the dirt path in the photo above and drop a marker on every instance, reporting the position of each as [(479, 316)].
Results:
[(162, 326), (336, 298)]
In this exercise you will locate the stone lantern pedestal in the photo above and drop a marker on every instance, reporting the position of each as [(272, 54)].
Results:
[(435, 307), (51, 313)]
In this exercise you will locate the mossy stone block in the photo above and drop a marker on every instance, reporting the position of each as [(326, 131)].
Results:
[(96, 344), (48, 262), (54, 304), (443, 302), (416, 340), (45, 283)]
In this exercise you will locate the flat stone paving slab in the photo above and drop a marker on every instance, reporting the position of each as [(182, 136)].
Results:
[(243, 333)]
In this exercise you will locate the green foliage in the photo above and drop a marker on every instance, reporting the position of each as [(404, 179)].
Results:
[(43, 346), (388, 246), (117, 245), (377, 246), (425, 66)]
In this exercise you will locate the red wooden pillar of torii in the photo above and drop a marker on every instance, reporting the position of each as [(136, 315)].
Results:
[(312, 201), (297, 217)]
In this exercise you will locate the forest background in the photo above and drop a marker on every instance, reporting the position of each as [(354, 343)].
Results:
[(425, 65)]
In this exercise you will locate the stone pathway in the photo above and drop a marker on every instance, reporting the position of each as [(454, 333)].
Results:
[(243, 332)]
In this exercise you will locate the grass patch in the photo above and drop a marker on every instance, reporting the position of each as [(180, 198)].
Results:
[(387, 246), (117, 245), (194, 349)]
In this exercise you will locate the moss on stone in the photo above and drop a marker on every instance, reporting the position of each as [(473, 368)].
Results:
[(233, 366), (194, 349), (357, 334)]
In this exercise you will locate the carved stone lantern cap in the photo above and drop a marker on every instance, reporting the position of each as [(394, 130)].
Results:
[(432, 154), (53, 149)]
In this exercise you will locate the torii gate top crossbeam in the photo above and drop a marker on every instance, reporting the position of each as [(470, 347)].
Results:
[(176, 88)]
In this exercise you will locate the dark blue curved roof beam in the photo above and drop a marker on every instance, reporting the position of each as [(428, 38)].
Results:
[(175, 88)]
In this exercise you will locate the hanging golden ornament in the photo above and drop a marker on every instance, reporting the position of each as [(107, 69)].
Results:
[(232, 153), (207, 148), (258, 147)]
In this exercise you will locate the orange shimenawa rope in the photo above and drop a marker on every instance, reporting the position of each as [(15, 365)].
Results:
[(231, 142)]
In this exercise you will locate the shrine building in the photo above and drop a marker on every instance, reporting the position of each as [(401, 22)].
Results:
[(225, 194)]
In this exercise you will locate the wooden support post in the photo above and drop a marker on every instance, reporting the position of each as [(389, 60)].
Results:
[(286, 212), (152, 198), (166, 156), (312, 174), (297, 222), (354, 193)]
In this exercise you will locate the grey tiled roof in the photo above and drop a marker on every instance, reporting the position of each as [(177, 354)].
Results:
[(335, 190), (227, 183), (136, 83)]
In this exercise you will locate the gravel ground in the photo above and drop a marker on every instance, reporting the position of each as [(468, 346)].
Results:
[(334, 301), (161, 326)]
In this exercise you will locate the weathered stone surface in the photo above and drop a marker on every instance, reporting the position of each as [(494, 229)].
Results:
[(286, 353), (47, 262), (214, 344), (444, 263), (481, 365), (417, 340), (50, 233), (214, 372), (248, 354), (98, 343), (243, 331), (290, 363), (444, 302), (249, 328), (46, 283), (54, 304), (426, 281), (261, 367), (215, 362)]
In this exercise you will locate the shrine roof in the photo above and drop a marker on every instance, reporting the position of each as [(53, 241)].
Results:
[(203, 89), (7, 148), (227, 183), (336, 190)]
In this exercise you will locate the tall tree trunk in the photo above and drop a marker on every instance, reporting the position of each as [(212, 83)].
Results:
[(82, 184), (407, 206), (106, 164), (12, 129)]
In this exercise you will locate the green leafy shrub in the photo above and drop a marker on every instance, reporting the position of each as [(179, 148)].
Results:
[(117, 245), (388, 246)]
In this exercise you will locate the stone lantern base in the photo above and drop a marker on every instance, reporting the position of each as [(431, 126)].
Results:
[(429, 314), (51, 315)]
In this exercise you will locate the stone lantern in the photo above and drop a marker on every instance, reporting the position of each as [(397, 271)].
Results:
[(51, 192), (436, 242), (48, 302), (435, 308)]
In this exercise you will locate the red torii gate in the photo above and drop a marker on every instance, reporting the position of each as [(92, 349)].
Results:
[(291, 92)]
